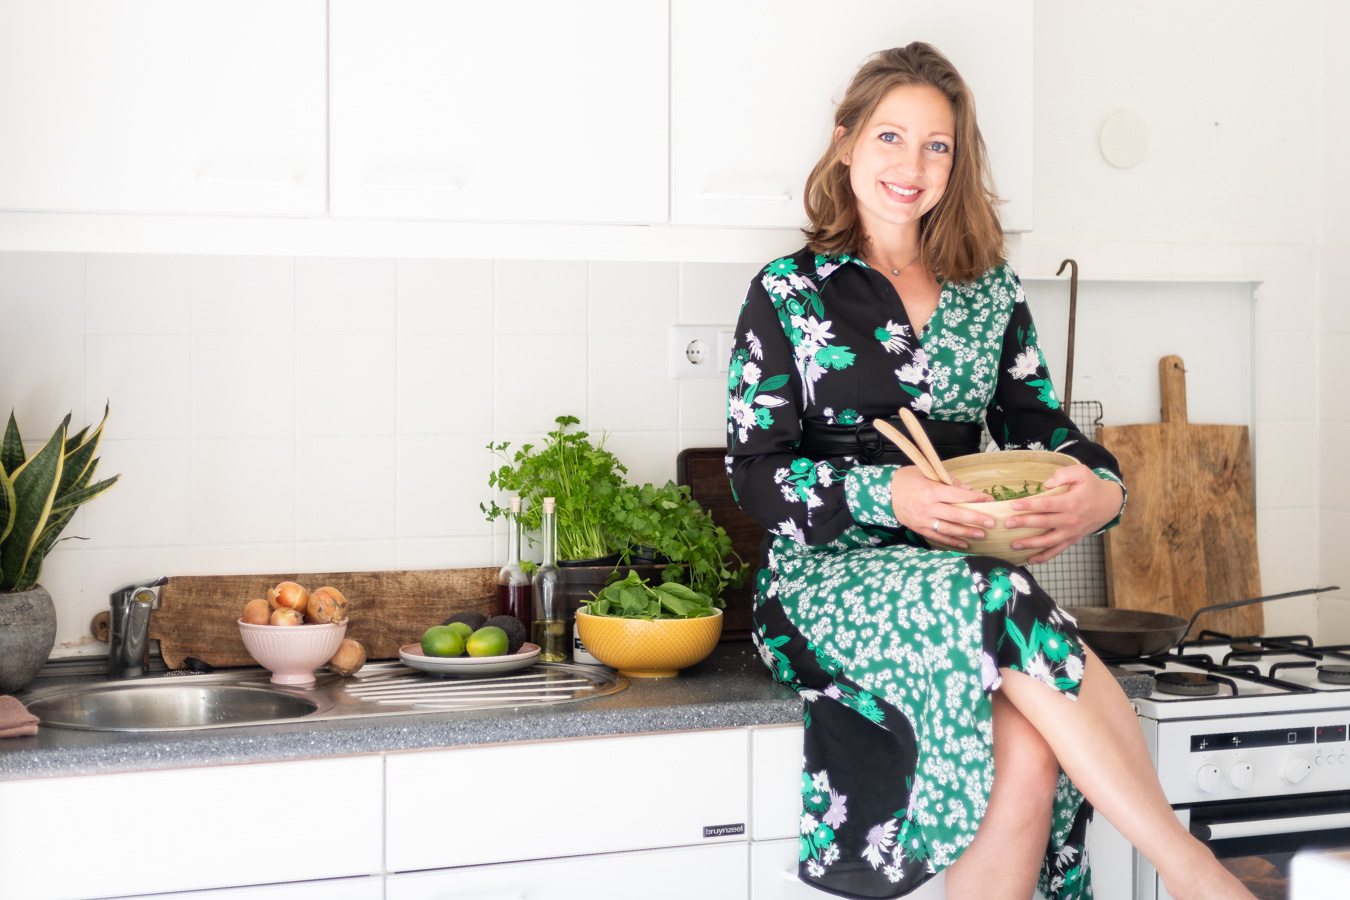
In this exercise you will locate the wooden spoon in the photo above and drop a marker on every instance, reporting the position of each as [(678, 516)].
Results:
[(921, 438), (915, 455)]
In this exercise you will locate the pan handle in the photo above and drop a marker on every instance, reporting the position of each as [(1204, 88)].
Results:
[(1236, 603)]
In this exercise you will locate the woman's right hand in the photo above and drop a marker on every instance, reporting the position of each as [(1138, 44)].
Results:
[(920, 504)]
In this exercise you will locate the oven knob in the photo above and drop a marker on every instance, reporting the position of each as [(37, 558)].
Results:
[(1207, 779), (1296, 768), (1241, 775)]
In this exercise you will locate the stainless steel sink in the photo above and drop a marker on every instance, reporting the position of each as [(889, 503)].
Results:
[(247, 697)]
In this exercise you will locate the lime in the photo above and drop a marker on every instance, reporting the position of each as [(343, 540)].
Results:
[(487, 641), (463, 629), (442, 640)]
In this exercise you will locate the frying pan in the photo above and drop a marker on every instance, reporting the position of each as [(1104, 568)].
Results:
[(1122, 633)]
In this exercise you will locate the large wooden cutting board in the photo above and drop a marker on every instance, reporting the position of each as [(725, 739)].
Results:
[(198, 614), (1188, 537)]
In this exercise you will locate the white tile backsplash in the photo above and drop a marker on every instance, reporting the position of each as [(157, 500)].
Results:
[(345, 385), (540, 297), (1334, 362), (42, 292), (306, 414), (136, 294), (352, 295), (243, 384), (243, 294), (145, 379)]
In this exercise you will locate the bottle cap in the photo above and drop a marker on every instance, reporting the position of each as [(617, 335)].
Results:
[(549, 503), (515, 504)]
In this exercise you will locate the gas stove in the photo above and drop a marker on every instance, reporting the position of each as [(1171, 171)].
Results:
[(1249, 737)]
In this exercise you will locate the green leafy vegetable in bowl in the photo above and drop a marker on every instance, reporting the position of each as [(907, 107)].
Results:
[(1003, 492), (634, 598)]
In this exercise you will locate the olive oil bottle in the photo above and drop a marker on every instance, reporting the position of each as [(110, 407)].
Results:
[(549, 629)]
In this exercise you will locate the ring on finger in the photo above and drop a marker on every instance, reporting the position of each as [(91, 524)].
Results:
[(936, 523)]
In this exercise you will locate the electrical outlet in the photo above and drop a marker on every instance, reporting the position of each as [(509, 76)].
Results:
[(697, 351)]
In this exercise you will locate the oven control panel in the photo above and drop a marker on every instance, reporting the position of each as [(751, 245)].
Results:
[(1242, 757)]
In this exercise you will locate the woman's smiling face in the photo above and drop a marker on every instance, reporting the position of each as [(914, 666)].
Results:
[(902, 159)]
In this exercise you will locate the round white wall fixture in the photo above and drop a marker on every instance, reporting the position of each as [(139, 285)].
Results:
[(1124, 140)]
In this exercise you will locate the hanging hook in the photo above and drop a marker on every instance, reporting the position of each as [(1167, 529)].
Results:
[(1073, 324)]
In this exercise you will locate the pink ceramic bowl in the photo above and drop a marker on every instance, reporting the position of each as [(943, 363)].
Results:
[(292, 652)]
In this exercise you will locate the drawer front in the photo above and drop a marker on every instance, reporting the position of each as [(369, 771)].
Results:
[(369, 888), (224, 818), (536, 801), (773, 875), (718, 872), (776, 781)]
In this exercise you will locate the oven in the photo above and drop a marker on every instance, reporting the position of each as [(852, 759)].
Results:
[(1249, 738)]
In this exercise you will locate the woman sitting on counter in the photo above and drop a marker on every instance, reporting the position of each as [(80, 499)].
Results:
[(926, 672)]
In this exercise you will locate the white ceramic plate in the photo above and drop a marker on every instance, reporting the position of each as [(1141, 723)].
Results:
[(412, 655)]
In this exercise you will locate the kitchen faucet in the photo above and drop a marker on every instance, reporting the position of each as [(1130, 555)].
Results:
[(129, 628)]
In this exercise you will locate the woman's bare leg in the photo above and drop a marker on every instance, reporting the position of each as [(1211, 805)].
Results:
[(1004, 860), (1101, 748)]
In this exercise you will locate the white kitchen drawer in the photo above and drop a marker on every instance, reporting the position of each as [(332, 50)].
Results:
[(773, 875), (370, 888), (775, 782), (215, 106), (562, 798), (524, 111), (85, 837), (707, 873)]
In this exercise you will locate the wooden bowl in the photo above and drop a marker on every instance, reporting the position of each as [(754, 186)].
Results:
[(655, 649), (1009, 468)]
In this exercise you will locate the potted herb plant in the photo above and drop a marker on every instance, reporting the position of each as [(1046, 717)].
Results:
[(38, 497)]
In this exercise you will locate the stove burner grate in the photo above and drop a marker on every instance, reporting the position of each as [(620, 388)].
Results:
[(1334, 674), (1185, 684)]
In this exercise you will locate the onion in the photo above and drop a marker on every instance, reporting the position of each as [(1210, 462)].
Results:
[(349, 659), (288, 595), (257, 612), (326, 606), (284, 616)]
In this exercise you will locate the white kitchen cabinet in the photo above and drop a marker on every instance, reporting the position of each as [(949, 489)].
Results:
[(215, 106), (512, 111), (718, 872), (754, 85), (775, 782), (187, 829), (564, 798)]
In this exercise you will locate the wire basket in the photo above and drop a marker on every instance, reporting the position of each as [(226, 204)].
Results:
[(1077, 577)]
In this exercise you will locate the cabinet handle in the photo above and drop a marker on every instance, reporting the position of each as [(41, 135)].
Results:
[(413, 178), (244, 176), (717, 195), (788, 874)]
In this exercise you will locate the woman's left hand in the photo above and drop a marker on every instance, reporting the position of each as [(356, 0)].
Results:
[(1088, 504)]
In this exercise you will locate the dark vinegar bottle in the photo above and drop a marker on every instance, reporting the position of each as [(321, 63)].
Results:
[(514, 596)]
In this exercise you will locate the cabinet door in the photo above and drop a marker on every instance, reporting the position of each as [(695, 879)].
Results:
[(522, 110), (708, 873), (775, 782), (561, 798), (754, 87), (214, 106), (184, 829), (371, 888)]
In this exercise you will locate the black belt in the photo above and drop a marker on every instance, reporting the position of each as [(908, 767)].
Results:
[(866, 443)]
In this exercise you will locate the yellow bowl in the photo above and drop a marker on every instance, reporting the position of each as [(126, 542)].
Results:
[(643, 649), (1009, 468)]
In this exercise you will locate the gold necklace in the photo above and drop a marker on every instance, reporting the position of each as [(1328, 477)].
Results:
[(897, 272)]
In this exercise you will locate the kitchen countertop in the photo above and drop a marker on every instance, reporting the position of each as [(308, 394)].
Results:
[(730, 689)]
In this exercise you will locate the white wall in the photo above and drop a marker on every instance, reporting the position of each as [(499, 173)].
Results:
[(1334, 362), (274, 413)]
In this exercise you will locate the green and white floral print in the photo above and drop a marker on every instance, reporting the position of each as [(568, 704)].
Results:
[(893, 646)]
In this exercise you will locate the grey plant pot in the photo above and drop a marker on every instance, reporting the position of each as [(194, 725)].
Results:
[(27, 633)]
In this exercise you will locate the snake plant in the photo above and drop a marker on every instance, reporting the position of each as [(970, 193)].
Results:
[(39, 494)]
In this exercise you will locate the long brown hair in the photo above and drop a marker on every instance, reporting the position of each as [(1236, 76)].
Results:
[(960, 238)]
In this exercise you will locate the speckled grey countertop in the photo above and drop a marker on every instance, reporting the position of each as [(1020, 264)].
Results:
[(730, 689)]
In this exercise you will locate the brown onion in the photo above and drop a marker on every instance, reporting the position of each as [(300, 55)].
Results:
[(284, 616), (257, 612), (349, 659), (326, 606), (288, 595)]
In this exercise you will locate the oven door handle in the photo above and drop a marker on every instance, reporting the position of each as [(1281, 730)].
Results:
[(1221, 831)]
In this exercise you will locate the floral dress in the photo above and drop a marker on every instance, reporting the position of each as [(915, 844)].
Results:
[(894, 646)]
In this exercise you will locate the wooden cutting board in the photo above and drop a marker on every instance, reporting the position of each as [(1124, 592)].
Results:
[(1188, 537), (197, 614)]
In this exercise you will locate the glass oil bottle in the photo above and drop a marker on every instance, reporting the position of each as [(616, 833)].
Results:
[(514, 590), (549, 629)]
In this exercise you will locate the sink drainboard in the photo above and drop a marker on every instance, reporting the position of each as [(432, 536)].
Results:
[(537, 685)]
